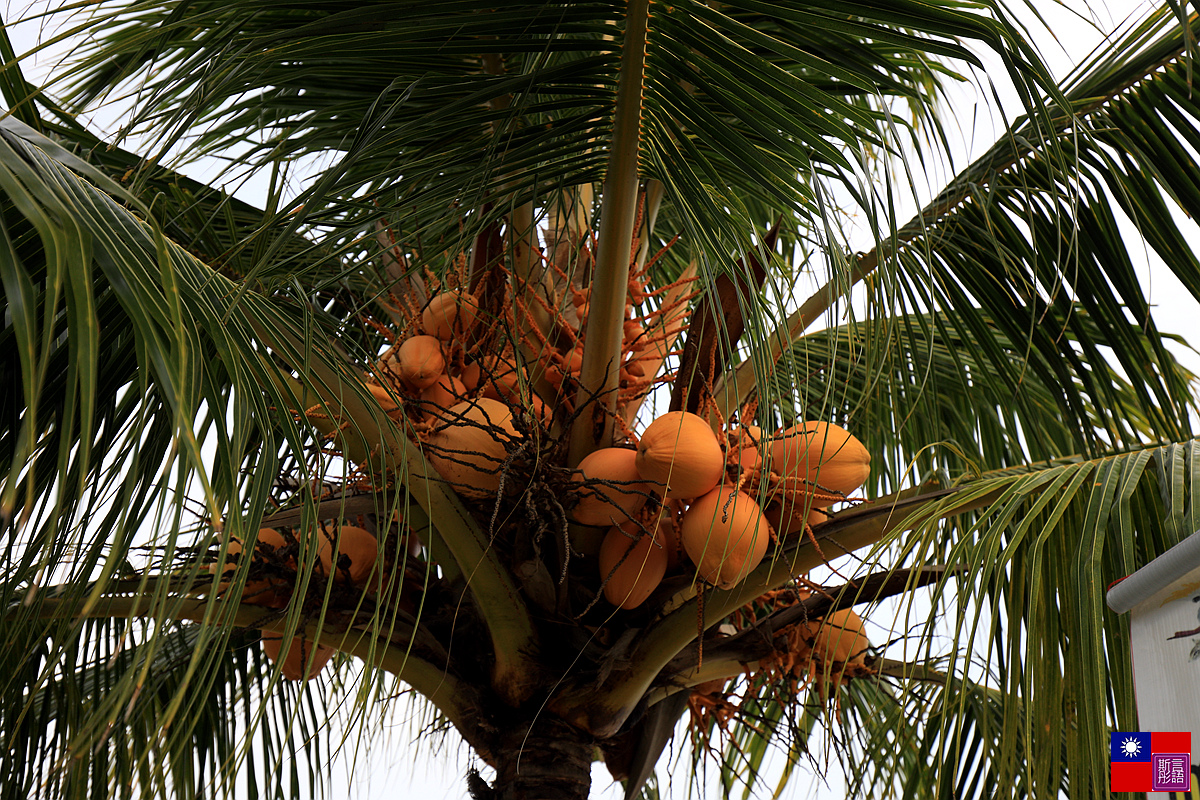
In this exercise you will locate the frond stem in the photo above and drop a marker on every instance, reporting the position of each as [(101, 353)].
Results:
[(598, 378)]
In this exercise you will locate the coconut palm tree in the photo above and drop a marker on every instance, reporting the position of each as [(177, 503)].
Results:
[(268, 467)]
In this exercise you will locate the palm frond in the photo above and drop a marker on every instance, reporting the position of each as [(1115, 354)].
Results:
[(739, 102), (1030, 235), (63, 702)]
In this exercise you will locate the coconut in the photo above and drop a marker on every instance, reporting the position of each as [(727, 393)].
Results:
[(356, 553), (679, 451), (383, 396), (634, 368), (445, 392), (468, 449), (564, 365), (842, 639), (604, 503), (502, 379), (298, 655), (257, 592), (747, 442), (789, 515), (470, 375), (418, 361), (823, 454), (450, 315), (663, 527), (632, 580), (725, 535)]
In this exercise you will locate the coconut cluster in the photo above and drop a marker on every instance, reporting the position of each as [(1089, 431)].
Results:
[(824, 652), (347, 557), (680, 464), (470, 399), (427, 368)]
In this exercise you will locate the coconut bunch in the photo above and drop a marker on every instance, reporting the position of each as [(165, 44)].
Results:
[(348, 556), (473, 384), (721, 526), (823, 653), (428, 368)]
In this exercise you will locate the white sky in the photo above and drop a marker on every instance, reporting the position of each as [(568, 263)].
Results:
[(390, 765)]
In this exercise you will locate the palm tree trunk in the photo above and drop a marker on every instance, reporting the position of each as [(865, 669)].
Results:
[(545, 760)]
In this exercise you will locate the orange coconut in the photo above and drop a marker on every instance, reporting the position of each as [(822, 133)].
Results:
[(662, 525), (502, 379), (842, 638), (258, 592), (470, 375), (679, 451), (443, 393), (450, 315), (633, 567), (383, 396), (789, 516), (356, 553), (469, 447), (613, 502), (747, 442), (822, 453), (634, 368), (298, 655), (418, 361), (725, 535), (634, 336)]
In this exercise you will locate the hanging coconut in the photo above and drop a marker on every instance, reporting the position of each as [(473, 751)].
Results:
[(469, 446), (445, 392), (502, 379), (842, 639), (725, 535), (823, 454), (666, 530), (747, 442), (790, 515), (355, 558), (417, 361), (297, 657), (621, 496), (256, 592), (633, 567), (450, 315), (383, 396), (470, 375), (679, 450), (664, 527)]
